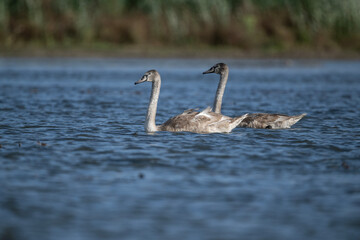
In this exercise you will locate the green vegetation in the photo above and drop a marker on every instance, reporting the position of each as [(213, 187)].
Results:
[(245, 24)]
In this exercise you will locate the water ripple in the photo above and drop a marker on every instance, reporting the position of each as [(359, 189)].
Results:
[(75, 156)]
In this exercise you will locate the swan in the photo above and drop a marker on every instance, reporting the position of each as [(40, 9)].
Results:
[(255, 120), (205, 121)]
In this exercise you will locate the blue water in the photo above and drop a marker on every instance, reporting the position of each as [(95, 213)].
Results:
[(77, 164)]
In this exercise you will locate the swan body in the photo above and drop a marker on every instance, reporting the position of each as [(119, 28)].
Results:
[(255, 120), (190, 120), (270, 120)]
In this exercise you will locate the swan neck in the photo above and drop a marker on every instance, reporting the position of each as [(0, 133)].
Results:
[(150, 125), (220, 91)]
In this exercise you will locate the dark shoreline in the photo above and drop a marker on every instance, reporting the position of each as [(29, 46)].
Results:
[(173, 52)]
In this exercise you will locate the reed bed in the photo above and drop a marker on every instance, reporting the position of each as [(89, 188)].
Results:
[(247, 24)]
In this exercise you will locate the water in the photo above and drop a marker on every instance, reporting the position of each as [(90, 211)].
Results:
[(77, 164)]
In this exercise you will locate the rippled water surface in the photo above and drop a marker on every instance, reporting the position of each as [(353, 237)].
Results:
[(77, 164)]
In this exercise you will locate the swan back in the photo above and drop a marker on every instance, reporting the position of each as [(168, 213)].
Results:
[(270, 120), (205, 121)]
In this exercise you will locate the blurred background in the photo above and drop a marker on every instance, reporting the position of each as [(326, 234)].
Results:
[(260, 26)]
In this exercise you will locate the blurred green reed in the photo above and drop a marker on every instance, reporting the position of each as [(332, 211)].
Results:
[(248, 24)]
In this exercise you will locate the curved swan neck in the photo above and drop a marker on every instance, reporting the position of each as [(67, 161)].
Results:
[(150, 125), (220, 91)]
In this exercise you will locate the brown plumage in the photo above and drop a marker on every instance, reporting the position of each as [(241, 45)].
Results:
[(190, 120), (270, 120), (255, 120), (200, 122)]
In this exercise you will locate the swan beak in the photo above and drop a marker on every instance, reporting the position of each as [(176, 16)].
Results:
[(211, 70), (143, 79)]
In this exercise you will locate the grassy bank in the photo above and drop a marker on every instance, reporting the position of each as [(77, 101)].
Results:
[(136, 51), (247, 25)]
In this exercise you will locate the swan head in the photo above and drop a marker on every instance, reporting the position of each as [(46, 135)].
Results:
[(218, 68), (149, 76)]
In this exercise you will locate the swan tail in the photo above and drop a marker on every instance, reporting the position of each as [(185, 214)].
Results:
[(237, 120), (295, 119), (287, 123)]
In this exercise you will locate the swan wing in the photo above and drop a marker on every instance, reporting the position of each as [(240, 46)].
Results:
[(270, 120), (205, 121)]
